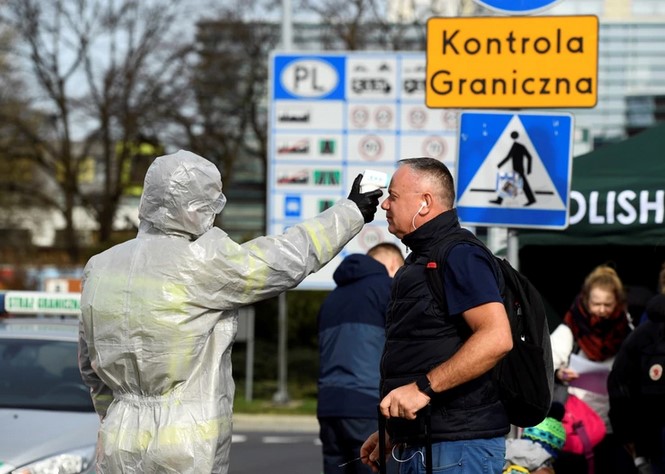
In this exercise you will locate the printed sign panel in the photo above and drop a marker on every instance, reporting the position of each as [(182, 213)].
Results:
[(333, 115), (513, 62), (37, 302)]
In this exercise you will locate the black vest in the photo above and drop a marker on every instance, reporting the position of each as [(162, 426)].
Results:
[(419, 337)]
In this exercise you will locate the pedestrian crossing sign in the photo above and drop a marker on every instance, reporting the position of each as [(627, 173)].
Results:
[(514, 169)]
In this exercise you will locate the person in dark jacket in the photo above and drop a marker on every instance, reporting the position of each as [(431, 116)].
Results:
[(351, 336), (636, 387), (440, 356)]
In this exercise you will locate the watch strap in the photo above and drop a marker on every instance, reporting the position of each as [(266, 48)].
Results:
[(423, 384)]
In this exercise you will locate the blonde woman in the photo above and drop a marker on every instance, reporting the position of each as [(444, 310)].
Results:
[(592, 330)]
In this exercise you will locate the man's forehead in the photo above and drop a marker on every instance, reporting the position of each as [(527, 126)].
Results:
[(402, 174), (408, 179)]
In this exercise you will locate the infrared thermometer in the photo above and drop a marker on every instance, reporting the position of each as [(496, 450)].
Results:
[(373, 180)]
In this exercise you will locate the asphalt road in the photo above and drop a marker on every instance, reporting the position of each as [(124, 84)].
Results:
[(275, 445), (276, 452)]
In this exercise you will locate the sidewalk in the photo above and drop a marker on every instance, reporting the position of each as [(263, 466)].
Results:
[(287, 423)]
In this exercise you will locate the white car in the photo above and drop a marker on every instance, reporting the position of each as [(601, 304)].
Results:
[(47, 421)]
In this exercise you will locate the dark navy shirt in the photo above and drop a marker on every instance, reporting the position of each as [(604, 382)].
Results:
[(469, 279)]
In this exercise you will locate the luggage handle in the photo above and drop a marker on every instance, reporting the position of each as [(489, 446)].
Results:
[(428, 438), (427, 411)]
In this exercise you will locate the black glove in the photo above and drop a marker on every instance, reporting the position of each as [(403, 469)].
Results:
[(367, 202)]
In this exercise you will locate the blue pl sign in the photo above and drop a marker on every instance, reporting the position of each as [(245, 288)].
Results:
[(514, 169), (517, 6)]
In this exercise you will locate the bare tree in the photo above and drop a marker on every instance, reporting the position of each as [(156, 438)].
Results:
[(229, 124), (100, 75), (17, 177), (348, 21), (364, 24)]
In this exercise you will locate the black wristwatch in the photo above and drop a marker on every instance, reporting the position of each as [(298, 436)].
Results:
[(424, 386)]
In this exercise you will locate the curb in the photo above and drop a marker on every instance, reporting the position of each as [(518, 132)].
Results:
[(283, 423)]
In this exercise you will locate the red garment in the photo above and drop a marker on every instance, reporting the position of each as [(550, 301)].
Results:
[(599, 338), (584, 427)]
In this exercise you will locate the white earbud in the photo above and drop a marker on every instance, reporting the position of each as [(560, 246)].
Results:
[(413, 221)]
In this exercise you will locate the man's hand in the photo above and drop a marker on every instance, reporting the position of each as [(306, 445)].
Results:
[(403, 402), (369, 451), (367, 202)]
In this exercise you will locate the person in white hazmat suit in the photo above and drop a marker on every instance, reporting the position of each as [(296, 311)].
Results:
[(159, 316)]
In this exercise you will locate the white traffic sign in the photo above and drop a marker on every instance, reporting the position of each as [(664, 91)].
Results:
[(39, 302), (514, 169), (333, 115)]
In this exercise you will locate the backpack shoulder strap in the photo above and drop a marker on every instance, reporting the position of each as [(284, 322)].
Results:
[(437, 260)]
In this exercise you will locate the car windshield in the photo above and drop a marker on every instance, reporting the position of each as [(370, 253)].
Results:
[(41, 374)]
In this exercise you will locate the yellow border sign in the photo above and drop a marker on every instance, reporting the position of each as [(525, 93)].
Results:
[(512, 62)]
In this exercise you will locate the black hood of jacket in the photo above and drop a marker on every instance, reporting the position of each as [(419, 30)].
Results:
[(656, 309), (356, 266)]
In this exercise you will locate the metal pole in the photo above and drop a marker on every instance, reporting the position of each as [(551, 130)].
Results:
[(513, 249), (287, 30), (282, 394)]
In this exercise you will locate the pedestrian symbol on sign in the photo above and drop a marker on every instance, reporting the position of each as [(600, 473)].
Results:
[(512, 183)]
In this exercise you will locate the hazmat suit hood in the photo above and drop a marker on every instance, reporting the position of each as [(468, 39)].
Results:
[(182, 194)]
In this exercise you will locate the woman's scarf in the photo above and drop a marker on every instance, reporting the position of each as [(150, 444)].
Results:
[(599, 338)]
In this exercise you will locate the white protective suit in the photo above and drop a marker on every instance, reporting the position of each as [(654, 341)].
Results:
[(159, 317)]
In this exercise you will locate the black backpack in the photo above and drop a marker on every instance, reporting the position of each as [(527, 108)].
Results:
[(525, 376)]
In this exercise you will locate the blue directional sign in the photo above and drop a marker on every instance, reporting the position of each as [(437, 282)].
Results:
[(517, 6), (514, 169)]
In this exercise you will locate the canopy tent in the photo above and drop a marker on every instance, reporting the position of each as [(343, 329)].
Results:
[(617, 197), (617, 215)]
